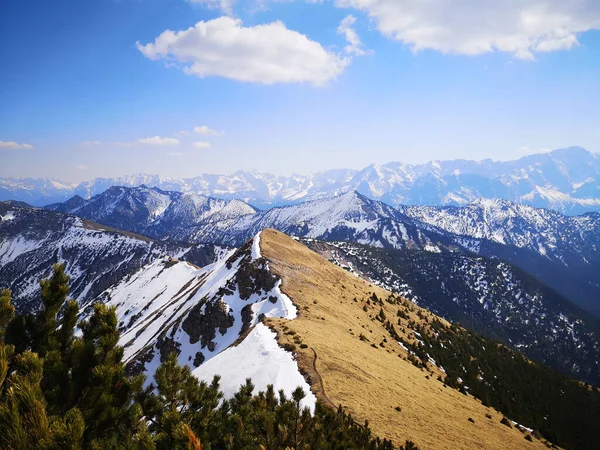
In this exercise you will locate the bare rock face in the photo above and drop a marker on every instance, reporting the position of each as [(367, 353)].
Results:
[(254, 278), (246, 318), (204, 320), (198, 359), (166, 346), (138, 365)]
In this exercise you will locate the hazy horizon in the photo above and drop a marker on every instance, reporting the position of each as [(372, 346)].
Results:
[(290, 174)]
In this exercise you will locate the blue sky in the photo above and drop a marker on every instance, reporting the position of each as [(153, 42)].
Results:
[(101, 88)]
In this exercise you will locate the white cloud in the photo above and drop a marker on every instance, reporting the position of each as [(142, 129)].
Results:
[(201, 144), (530, 150), (157, 140), (81, 167), (203, 130), (520, 27), (15, 146), (224, 5), (267, 54), (89, 144), (182, 133), (354, 46)]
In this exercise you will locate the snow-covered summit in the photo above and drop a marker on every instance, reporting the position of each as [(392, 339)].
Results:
[(567, 180), (349, 216), (152, 211)]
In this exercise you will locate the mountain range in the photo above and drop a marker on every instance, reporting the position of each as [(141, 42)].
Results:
[(560, 250), (401, 251), (96, 256), (277, 312), (563, 251), (566, 180)]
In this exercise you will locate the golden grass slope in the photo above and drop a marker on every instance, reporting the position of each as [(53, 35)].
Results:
[(372, 383)]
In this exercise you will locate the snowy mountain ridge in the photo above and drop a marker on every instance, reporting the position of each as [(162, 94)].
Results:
[(210, 318), (152, 211), (508, 223), (33, 239), (197, 219), (567, 180)]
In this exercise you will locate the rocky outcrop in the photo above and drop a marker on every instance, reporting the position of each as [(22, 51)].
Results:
[(203, 321)]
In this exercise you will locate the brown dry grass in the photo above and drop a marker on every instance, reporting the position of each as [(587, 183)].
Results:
[(371, 382)]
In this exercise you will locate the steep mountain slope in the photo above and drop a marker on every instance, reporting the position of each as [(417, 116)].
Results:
[(202, 314), (120, 207), (367, 349), (485, 295), (227, 319), (562, 251), (32, 239), (567, 180), (151, 211)]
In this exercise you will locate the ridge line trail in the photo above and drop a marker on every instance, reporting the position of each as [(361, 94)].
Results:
[(320, 379)]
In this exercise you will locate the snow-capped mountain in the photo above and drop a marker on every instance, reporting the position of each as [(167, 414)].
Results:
[(562, 251), (120, 207), (260, 189), (566, 180), (191, 209), (541, 230), (152, 211), (192, 218), (489, 296), (35, 191), (33, 239), (350, 216)]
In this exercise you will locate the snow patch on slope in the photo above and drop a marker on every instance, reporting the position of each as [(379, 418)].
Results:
[(260, 358), (256, 247), (154, 305), (12, 248), (10, 215)]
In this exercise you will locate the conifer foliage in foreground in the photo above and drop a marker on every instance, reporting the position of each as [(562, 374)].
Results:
[(59, 391)]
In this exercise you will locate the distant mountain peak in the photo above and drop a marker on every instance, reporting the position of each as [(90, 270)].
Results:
[(491, 203), (567, 180)]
